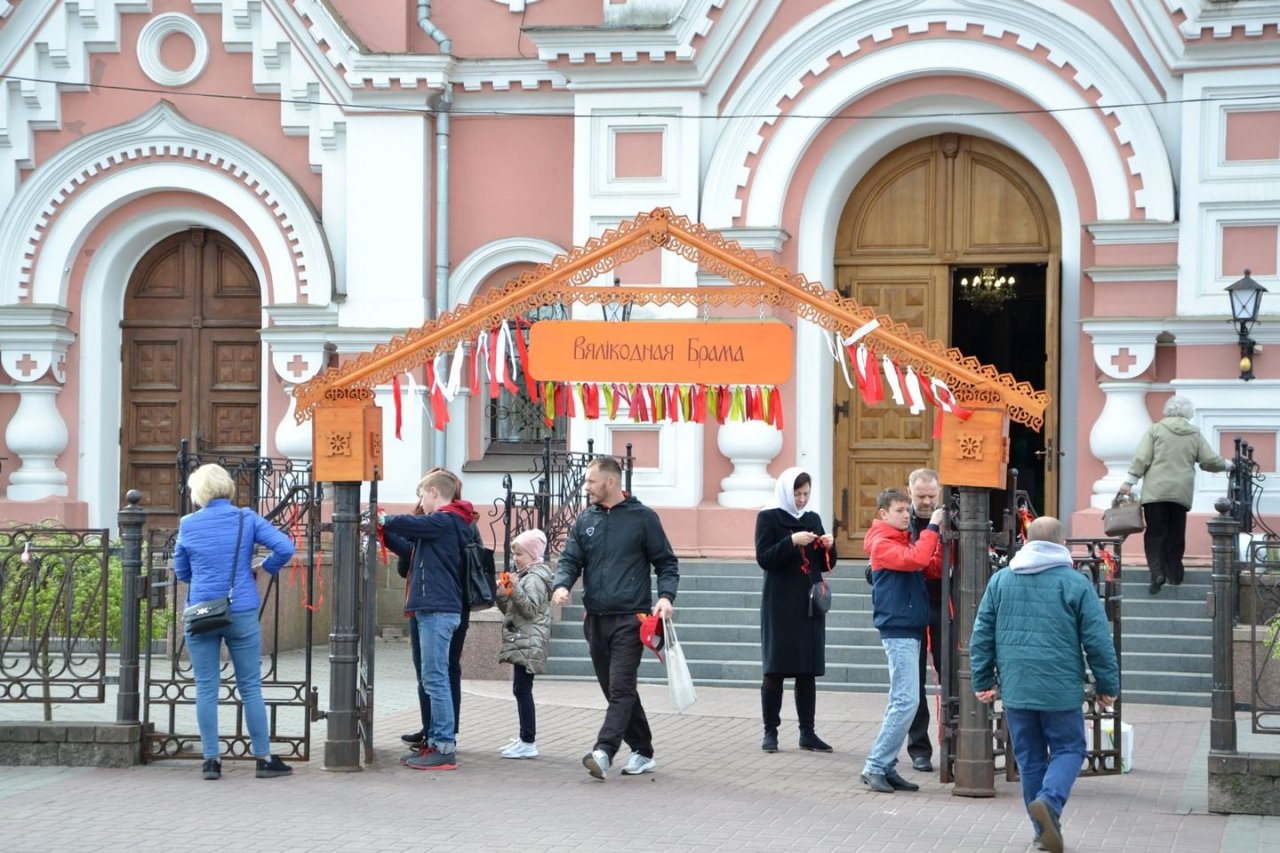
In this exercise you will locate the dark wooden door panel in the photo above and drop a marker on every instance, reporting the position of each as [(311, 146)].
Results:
[(191, 363)]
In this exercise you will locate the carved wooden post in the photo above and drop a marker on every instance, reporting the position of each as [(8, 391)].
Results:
[(347, 442), (975, 457)]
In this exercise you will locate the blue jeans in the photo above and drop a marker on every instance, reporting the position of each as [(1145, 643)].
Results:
[(244, 642), (435, 634), (1049, 747), (904, 699)]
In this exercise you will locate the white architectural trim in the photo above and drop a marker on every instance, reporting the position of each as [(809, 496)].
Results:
[(102, 298), (476, 268), (847, 162), (153, 34), (657, 41), (183, 155), (787, 67)]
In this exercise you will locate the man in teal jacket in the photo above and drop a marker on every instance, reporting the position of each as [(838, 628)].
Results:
[(1033, 622)]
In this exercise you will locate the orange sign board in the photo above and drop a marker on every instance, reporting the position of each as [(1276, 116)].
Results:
[(690, 351)]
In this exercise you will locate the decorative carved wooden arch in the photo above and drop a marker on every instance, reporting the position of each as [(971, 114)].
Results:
[(757, 281)]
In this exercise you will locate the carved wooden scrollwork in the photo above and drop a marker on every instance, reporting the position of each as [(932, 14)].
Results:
[(756, 280)]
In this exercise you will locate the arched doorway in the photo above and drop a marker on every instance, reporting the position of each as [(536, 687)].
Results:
[(932, 213), (190, 363)]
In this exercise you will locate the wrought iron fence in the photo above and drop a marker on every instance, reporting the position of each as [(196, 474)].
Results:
[(1245, 489), (281, 491), (1261, 610), (556, 498), (54, 621)]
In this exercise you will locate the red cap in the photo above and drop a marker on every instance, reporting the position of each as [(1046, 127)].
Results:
[(651, 633)]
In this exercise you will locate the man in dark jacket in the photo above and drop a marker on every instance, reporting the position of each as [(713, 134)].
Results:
[(900, 607), (1034, 619), (611, 547), (924, 491), (433, 594)]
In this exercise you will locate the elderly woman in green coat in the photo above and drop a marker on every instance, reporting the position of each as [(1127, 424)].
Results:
[(1166, 463)]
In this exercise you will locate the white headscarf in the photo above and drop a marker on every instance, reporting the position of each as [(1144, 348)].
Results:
[(784, 492)]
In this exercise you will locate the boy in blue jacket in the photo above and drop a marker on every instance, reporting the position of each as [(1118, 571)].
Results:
[(433, 544)]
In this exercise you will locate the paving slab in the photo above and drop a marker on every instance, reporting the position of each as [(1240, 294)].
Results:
[(713, 789)]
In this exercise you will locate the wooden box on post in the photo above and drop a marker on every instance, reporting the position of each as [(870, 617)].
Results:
[(975, 452), (346, 439)]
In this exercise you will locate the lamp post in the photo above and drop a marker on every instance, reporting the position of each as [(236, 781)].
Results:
[(1246, 301)]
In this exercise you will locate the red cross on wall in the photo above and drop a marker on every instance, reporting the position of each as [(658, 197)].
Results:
[(297, 367), (1124, 360), (27, 365)]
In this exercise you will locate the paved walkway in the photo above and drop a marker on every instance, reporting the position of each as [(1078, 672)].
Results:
[(713, 789)]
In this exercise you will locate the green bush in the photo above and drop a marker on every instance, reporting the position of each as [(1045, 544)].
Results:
[(66, 571)]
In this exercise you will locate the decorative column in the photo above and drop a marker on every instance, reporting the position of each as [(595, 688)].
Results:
[(750, 446), (1122, 356), (297, 340), (33, 352)]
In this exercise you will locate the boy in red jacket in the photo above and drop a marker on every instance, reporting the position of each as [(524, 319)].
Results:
[(901, 610)]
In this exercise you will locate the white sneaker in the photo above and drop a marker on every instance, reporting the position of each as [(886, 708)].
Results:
[(638, 764), (508, 745), (597, 763), (520, 749)]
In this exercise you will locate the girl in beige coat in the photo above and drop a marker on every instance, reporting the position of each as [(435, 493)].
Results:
[(525, 599)]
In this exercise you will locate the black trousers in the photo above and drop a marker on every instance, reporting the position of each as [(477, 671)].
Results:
[(522, 689), (614, 642), (455, 671), (918, 745), (1165, 539)]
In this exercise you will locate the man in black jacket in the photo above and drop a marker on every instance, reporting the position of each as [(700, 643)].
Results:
[(611, 547)]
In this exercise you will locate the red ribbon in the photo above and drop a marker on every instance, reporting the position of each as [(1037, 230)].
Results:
[(530, 383), (395, 390), (775, 407)]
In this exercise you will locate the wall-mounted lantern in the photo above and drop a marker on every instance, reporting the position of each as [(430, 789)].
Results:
[(1246, 302)]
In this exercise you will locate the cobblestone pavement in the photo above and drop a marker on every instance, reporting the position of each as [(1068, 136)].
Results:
[(713, 789)]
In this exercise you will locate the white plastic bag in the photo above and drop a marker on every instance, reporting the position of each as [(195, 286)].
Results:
[(679, 682)]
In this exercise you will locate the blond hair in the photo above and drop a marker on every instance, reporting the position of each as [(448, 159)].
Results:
[(210, 482), (444, 482)]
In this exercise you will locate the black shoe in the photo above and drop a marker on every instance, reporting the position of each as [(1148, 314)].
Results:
[(877, 782), (1156, 583), (770, 742), (269, 768), (813, 743), (212, 769), (415, 739), (922, 763), (898, 783)]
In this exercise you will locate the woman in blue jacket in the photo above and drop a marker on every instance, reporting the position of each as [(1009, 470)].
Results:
[(204, 559)]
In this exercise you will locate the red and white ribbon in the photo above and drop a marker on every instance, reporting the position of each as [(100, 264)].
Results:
[(892, 379), (915, 397)]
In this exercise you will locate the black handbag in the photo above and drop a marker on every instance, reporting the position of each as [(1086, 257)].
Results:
[(479, 578), (1123, 518), (819, 597), (214, 613)]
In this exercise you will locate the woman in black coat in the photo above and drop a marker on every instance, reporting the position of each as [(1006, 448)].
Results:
[(794, 551)]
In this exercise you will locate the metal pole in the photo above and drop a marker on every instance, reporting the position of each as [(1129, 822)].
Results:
[(342, 742), (1222, 716), (975, 772), (131, 519)]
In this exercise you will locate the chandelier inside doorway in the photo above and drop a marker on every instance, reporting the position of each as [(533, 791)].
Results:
[(988, 289)]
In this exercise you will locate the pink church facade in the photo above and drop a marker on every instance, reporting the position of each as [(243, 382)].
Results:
[(203, 200)]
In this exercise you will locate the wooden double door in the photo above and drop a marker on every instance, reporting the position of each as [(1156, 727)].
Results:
[(191, 363), (930, 213)]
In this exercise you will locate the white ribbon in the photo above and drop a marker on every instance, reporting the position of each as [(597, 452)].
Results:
[(861, 332), (915, 397), (837, 352), (455, 373), (941, 393), (861, 363), (480, 357), (891, 379)]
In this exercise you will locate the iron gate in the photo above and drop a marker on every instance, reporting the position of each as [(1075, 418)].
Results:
[(282, 491), (1101, 560)]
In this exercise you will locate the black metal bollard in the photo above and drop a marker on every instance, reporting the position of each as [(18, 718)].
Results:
[(1222, 716), (975, 774), (342, 742), (131, 520)]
